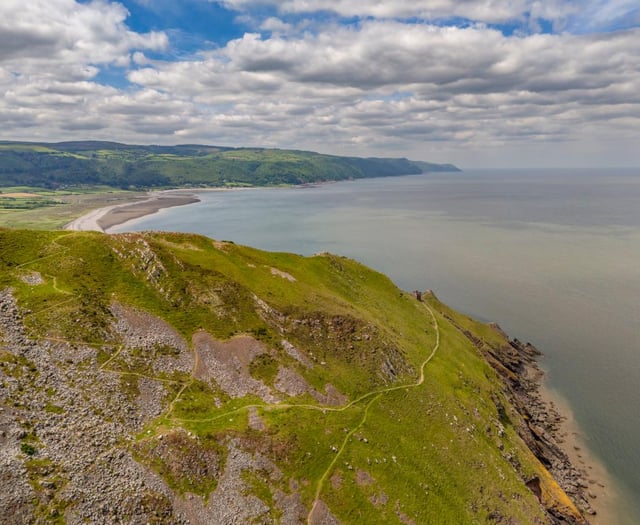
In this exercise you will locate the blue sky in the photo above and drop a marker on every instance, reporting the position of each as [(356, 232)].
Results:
[(193, 25), (477, 82)]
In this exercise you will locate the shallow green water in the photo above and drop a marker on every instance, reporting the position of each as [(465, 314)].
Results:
[(553, 256)]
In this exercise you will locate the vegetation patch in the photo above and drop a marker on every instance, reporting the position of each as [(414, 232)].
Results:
[(53, 409), (182, 461), (265, 368), (28, 449), (127, 166)]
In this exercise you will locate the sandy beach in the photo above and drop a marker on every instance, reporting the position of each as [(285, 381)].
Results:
[(105, 218)]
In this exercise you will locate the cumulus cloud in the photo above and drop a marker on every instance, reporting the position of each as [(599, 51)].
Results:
[(574, 15), (425, 83), (67, 31), (50, 55), (381, 86)]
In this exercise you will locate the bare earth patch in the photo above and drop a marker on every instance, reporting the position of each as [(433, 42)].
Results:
[(336, 481), (363, 478), (284, 275)]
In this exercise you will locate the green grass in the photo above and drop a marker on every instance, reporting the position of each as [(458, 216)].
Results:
[(429, 453), (126, 167), (264, 368), (28, 449)]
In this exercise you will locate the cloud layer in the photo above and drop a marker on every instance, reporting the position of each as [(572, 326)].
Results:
[(470, 93)]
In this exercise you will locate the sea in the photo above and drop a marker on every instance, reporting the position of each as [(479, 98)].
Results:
[(553, 256)]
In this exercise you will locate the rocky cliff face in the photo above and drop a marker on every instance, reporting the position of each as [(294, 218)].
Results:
[(538, 425), (161, 378)]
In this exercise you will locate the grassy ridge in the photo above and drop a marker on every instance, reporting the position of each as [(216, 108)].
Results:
[(441, 452), (126, 166)]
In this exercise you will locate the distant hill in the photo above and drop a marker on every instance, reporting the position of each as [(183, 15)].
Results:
[(171, 378), (68, 164)]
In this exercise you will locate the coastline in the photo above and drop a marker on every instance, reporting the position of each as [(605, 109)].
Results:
[(554, 436), (105, 218), (600, 487), (550, 429)]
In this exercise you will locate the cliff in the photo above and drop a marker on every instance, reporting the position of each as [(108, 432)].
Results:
[(170, 378)]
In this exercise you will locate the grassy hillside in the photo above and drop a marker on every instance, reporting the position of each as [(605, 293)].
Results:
[(155, 378), (126, 166)]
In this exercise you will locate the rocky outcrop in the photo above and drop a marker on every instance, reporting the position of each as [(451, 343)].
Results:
[(538, 426), (62, 452)]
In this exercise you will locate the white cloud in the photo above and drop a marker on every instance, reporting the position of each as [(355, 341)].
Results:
[(384, 82), (576, 15), (65, 31), (275, 25), (50, 54), (478, 10), (379, 87)]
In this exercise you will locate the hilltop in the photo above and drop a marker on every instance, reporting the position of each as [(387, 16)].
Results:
[(171, 378), (71, 164)]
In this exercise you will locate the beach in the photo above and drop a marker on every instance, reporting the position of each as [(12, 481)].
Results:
[(102, 219)]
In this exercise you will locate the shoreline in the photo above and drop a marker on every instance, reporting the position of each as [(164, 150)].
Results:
[(107, 217), (554, 436), (600, 487), (548, 428)]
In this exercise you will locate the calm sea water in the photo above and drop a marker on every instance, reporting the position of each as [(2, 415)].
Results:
[(553, 256)]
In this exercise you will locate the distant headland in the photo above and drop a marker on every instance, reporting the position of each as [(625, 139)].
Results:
[(125, 166)]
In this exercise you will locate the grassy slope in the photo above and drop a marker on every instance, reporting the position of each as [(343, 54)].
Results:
[(432, 454), (124, 166)]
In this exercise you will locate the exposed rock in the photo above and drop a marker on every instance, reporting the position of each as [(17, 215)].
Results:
[(537, 425), (289, 382), (160, 344), (296, 354), (231, 503), (77, 463), (32, 278), (284, 275), (331, 397), (227, 363)]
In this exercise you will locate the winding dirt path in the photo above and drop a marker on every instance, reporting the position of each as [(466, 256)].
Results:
[(378, 394), (374, 395)]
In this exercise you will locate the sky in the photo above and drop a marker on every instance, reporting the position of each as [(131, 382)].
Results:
[(480, 83)]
